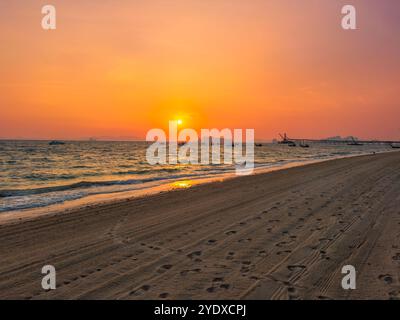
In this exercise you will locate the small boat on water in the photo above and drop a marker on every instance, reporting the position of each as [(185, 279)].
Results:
[(285, 140), (303, 144), (56, 143), (395, 146), (354, 142), (258, 145)]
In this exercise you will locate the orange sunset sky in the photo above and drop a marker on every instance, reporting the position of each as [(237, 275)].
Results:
[(115, 69)]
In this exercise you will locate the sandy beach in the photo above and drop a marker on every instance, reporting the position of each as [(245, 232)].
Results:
[(280, 235)]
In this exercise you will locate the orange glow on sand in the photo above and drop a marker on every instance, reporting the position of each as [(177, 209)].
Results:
[(182, 184)]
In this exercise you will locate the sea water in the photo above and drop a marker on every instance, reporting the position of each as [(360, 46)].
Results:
[(35, 174)]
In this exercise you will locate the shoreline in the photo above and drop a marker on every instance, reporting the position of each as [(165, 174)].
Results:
[(168, 186)]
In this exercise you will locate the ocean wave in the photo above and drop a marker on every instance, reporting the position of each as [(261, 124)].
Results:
[(80, 167), (40, 202), (86, 184), (146, 171), (48, 177), (340, 153)]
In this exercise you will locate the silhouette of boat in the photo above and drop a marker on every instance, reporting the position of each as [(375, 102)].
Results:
[(285, 140), (303, 144), (56, 143), (354, 142)]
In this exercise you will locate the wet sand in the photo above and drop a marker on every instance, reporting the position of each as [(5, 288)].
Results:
[(280, 235)]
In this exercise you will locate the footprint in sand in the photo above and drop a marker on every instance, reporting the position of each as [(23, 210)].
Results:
[(194, 254), (218, 279), (164, 268), (244, 240), (283, 252), (230, 256), (283, 244), (164, 295), (291, 290), (292, 295), (396, 257), (229, 233), (142, 289), (186, 272), (244, 269), (296, 267), (145, 287), (387, 278), (225, 286), (394, 295), (262, 253)]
